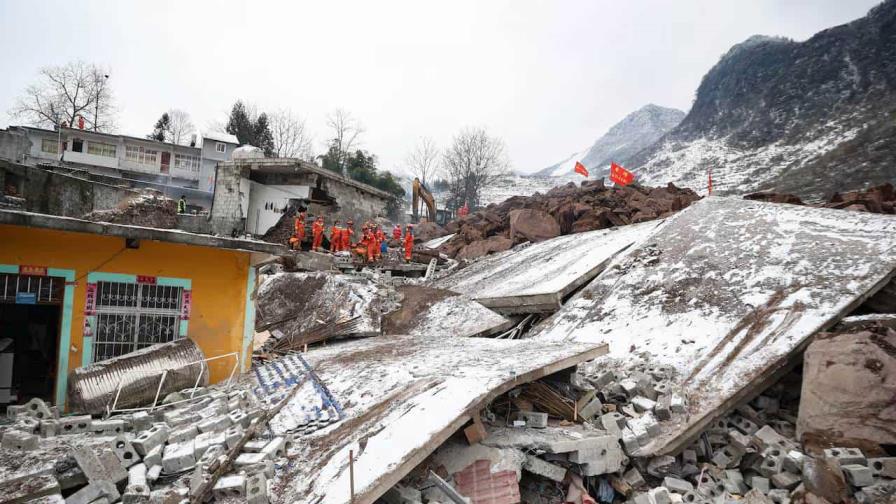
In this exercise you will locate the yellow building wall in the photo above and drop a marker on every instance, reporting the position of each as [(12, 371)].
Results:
[(219, 281)]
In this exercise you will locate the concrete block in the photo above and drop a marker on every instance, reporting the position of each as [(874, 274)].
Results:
[(38, 409), (537, 419), (739, 440), (689, 457), (663, 408), (677, 404), (183, 433), (734, 482), (633, 477), (630, 440), (603, 379), (613, 422), (115, 472), (125, 451), (727, 457), (786, 480), (14, 411), (150, 438), (94, 491), (90, 464), (138, 488), (793, 461), (28, 424), (209, 459), (218, 423), (691, 498), (599, 455), (772, 463), (232, 435), (19, 441), (858, 475), (883, 466), (153, 473), (238, 416), (75, 424), (642, 404), (758, 483), (257, 489), (767, 404), (629, 387), (154, 456), (230, 487), (205, 440), (846, 456), (767, 437), (677, 485), (178, 457), (247, 459), (108, 427), (779, 496), (32, 489), (275, 449), (265, 466), (688, 470), (140, 421), (254, 445), (539, 467), (49, 428), (743, 425), (660, 495)]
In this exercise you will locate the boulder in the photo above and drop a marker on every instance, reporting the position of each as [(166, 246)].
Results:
[(426, 231), (849, 381), (532, 225), (772, 197), (485, 247)]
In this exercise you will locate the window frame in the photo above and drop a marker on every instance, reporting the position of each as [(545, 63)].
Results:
[(54, 142), (105, 149), (221, 147)]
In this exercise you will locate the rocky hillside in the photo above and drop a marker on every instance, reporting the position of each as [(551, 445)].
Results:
[(804, 117), (638, 130)]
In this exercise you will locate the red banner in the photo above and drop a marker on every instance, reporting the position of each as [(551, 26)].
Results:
[(580, 169), (186, 303), (29, 269), (620, 175), (90, 300), (146, 279)]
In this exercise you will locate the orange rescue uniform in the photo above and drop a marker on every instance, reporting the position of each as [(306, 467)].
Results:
[(371, 246), (347, 238), (335, 239), (408, 245), (300, 227), (317, 234)]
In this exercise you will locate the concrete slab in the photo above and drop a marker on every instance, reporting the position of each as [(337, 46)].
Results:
[(536, 278), (728, 292), (402, 397)]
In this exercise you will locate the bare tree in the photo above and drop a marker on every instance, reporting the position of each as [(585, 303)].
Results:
[(180, 127), (291, 137), (65, 93), (346, 131), (423, 161), (474, 160)]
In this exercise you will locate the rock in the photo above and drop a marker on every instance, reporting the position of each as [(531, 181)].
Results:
[(849, 381), (426, 231), (532, 225), (485, 247), (824, 478)]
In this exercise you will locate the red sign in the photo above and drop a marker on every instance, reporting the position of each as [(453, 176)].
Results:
[(90, 300), (146, 279), (620, 175), (80, 122), (28, 269), (580, 169), (186, 302)]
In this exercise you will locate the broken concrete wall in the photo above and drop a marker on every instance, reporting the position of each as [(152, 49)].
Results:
[(58, 193), (230, 199), (849, 386), (14, 144)]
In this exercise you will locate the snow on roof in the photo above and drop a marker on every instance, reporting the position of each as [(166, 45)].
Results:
[(220, 136), (723, 292)]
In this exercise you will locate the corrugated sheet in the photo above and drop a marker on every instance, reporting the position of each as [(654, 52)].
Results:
[(93, 388), (482, 486)]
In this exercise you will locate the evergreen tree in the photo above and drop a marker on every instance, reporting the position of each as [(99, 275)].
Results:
[(263, 138), (161, 129), (240, 124)]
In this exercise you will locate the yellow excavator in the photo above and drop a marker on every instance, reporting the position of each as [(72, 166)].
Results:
[(421, 193)]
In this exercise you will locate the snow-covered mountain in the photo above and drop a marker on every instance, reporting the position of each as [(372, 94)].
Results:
[(636, 131), (807, 117)]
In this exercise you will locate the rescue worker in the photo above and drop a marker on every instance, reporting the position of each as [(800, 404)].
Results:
[(361, 247), (464, 210), (295, 243), (371, 245), (347, 234), (317, 233), (396, 233), (300, 227), (380, 241), (408, 242), (182, 204), (336, 237)]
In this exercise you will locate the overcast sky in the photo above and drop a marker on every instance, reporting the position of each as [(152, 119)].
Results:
[(548, 77)]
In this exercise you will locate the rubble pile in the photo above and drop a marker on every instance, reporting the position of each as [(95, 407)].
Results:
[(283, 230), (150, 208), (576, 440), (200, 447), (561, 211), (877, 199)]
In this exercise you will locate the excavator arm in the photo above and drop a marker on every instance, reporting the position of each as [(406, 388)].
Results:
[(421, 193)]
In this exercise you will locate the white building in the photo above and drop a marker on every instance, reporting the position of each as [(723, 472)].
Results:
[(175, 170)]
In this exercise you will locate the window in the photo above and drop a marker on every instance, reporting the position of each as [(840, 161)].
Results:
[(101, 149), (220, 147), (77, 145), (140, 155), (131, 316), (49, 146), (186, 162)]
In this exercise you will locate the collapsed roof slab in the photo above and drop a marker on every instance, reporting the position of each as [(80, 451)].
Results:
[(536, 278), (728, 292), (402, 397)]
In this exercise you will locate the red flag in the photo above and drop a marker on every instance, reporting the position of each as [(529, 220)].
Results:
[(580, 169), (80, 122), (710, 181), (620, 175)]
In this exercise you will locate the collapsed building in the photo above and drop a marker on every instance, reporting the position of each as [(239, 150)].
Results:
[(717, 353)]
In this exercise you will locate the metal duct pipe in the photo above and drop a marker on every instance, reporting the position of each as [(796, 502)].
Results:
[(94, 388)]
